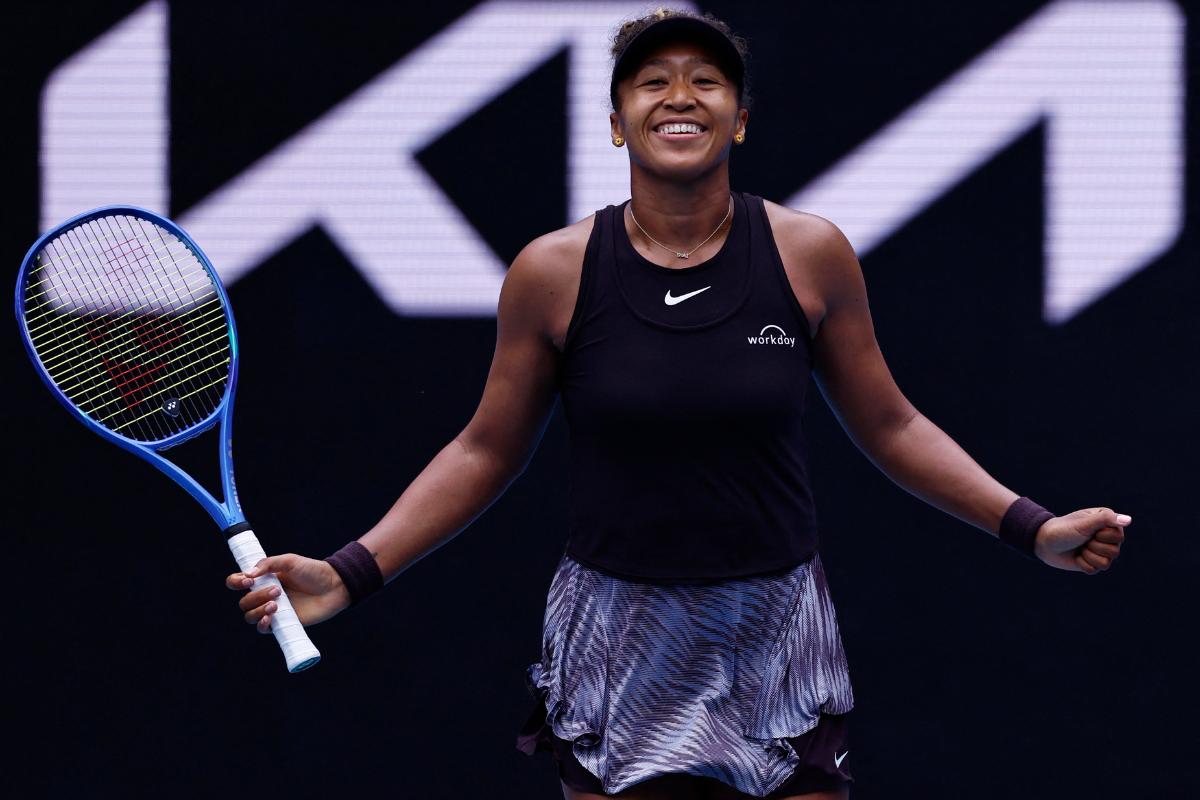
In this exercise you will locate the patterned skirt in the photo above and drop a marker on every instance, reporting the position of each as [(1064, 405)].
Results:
[(645, 679)]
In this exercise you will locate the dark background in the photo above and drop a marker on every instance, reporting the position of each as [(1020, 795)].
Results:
[(976, 673)]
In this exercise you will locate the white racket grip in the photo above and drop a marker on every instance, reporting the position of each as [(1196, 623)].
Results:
[(298, 650)]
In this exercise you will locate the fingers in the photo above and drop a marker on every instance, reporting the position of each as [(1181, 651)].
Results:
[(259, 606), (281, 563), (1100, 551), (261, 616), (255, 614), (259, 597), (238, 581), (1090, 562), (1112, 518), (1109, 551)]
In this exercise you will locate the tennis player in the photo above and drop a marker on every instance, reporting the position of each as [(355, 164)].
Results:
[(690, 643)]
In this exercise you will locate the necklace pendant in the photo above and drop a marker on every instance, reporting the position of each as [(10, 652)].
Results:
[(681, 255)]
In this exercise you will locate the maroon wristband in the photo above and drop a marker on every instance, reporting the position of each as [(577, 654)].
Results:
[(359, 571), (1020, 524)]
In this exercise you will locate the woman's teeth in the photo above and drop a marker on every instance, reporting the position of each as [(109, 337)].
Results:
[(680, 127)]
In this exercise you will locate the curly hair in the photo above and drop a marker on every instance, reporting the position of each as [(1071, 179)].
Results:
[(630, 29)]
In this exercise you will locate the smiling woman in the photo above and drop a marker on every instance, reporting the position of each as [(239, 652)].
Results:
[(690, 645), (659, 56)]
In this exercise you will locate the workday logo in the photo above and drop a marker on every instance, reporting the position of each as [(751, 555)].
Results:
[(765, 336)]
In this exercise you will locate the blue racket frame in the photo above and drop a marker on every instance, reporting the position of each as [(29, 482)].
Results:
[(225, 514)]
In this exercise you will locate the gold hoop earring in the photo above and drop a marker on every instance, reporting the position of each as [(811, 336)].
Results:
[(739, 137), (618, 141)]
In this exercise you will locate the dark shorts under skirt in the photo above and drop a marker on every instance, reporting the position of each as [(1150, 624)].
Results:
[(726, 680)]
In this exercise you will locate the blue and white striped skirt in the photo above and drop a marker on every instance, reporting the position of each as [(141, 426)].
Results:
[(711, 679)]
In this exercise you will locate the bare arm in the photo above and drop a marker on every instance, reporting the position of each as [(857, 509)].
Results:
[(906, 446), (858, 386), (475, 468)]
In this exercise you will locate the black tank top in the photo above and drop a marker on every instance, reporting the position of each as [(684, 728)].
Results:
[(683, 391)]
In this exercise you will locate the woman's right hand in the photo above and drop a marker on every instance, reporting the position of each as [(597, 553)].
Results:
[(313, 586)]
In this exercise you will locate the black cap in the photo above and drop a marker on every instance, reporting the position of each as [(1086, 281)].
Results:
[(676, 29)]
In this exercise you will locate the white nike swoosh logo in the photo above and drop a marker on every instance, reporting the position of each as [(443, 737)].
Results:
[(837, 760), (673, 300)]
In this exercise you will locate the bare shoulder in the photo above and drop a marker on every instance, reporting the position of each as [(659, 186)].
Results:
[(550, 254), (819, 261), (807, 236), (818, 258), (543, 281)]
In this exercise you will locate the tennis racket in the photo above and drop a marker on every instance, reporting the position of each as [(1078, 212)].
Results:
[(130, 329)]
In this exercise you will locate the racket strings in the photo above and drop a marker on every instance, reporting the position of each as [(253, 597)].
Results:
[(95, 328), (34, 328), (129, 380), (125, 246), (222, 365), (69, 348), (129, 325), (71, 258), (85, 382)]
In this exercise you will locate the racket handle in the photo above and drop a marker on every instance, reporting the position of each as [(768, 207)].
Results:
[(298, 650)]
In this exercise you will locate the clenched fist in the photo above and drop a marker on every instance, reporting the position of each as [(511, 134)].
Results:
[(1086, 541)]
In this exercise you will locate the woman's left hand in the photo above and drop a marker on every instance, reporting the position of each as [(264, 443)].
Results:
[(1086, 541)]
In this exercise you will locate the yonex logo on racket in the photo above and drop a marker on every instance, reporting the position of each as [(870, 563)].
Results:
[(766, 336)]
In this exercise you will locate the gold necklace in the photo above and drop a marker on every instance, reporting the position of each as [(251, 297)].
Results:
[(677, 253)]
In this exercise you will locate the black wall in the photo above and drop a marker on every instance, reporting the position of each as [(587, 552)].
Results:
[(977, 673)]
